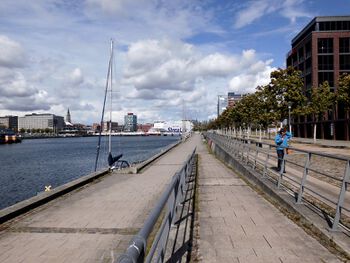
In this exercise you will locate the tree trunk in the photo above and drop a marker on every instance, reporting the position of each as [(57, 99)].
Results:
[(347, 124), (315, 127), (260, 134)]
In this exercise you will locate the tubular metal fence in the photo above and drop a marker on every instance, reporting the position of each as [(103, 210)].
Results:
[(318, 178), (166, 212)]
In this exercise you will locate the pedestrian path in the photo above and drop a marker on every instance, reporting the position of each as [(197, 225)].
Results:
[(238, 225), (94, 223)]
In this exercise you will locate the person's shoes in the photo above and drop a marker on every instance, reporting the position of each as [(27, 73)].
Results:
[(284, 172)]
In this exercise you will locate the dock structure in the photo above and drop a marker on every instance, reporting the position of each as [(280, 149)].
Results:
[(95, 223)]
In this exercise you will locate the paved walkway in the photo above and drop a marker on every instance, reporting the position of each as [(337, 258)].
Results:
[(95, 223), (238, 225), (92, 224)]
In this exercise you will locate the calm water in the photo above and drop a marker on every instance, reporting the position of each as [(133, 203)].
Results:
[(25, 168)]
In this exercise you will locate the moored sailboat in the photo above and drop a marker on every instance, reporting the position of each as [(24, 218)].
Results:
[(114, 162)]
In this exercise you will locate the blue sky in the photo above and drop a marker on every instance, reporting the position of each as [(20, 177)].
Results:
[(171, 56)]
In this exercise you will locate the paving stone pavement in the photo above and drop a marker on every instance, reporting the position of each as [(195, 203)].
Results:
[(94, 223), (238, 225)]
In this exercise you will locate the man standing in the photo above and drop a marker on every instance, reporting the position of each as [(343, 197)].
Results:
[(281, 140)]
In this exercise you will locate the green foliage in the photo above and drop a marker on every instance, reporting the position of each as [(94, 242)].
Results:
[(286, 87), (268, 104), (322, 100), (344, 90)]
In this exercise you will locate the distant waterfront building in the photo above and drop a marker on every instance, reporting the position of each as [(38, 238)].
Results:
[(144, 127), (175, 127), (41, 121), (96, 127), (227, 101), (106, 124), (321, 51), (9, 122), (222, 104), (233, 98), (130, 122)]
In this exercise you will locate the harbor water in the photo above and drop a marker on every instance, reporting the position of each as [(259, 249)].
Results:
[(26, 168)]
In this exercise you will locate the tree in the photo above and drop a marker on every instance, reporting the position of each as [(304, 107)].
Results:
[(343, 97), (286, 87), (344, 91), (322, 100), (22, 130), (269, 104)]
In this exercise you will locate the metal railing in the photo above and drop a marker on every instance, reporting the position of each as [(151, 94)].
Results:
[(165, 211), (313, 177)]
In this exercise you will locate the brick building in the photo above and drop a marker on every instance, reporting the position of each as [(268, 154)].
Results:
[(321, 51)]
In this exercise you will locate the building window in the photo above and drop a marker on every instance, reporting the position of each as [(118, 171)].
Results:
[(301, 54), (308, 49), (326, 76), (325, 62), (325, 45), (344, 62), (344, 45), (334, 25)]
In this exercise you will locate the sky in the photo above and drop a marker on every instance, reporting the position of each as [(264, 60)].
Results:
[(172, 57)]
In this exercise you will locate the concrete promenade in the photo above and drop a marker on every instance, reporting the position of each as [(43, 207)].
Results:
[(94, 223), (238, 225)]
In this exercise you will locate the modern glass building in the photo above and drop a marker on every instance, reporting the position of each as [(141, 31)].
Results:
[(321, 51), (130, 122), (222, 104)]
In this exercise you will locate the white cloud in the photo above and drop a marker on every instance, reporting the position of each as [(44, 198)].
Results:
[(114, 6), (76, 77), (256, 75), (12, 54), (254, 10), (16, 86), (163, 60), (179, 74)]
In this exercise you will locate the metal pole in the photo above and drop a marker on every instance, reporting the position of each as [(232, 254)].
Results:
[(346, 180), (290, 126)]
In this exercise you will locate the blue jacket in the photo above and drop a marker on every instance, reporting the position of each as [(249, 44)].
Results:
[(282, 141)]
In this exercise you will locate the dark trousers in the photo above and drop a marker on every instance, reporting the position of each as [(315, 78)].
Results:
[(280, 156)]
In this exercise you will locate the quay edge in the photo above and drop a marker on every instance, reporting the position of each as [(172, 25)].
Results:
[(25, 206)]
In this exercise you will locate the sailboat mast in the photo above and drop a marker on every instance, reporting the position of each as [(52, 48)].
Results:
[(103, 112), (110, 112)]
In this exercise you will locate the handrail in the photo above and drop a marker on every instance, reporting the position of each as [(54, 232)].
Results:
[(171, 198), (299, 180)]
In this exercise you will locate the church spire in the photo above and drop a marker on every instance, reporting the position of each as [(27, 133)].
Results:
[(68, 117)]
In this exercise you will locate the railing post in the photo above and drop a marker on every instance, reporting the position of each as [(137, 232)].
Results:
[(266, 162), (343, 189), (303, 179), (256, 156), (248, 151), (242, 153)]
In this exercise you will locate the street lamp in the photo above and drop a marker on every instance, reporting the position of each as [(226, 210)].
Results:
[(289, 107)]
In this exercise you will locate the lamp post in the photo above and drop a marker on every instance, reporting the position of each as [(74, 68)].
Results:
[(289, 107)]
